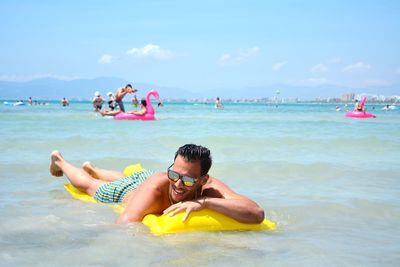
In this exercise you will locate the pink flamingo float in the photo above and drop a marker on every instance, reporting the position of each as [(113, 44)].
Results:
[(149, 116), (360, 114)]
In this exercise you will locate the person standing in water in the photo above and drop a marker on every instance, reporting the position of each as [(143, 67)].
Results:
[(111, 101), (97, 101), (64, 102), (120, 94), (134, 101), (218, 103)]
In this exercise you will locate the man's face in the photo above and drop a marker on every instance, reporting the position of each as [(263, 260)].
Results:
[(178, 191)]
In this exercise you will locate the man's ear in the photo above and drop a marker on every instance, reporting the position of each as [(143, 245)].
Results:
[(204, 180)]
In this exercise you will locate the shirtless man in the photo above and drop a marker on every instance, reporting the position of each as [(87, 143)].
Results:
[(97, 101), (64, 102), (121, 92), (186, 186), (218, 103)]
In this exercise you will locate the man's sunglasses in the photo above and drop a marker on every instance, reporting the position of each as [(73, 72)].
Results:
[(174, 176)]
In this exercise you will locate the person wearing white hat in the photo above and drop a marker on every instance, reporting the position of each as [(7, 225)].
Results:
[(111, 101), (97, 101)]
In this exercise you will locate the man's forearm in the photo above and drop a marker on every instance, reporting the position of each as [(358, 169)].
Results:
[(241, 210)]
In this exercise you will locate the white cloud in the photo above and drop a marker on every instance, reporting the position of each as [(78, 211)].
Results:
[(319, 68), (225, 58), (25, 78), (279, 65), (151, 51), (239, 57), (105, 59), (359, 66)]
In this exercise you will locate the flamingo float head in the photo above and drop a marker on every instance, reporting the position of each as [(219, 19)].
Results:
[(150, 109)]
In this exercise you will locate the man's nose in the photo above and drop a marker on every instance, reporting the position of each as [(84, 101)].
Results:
[(179, 183)]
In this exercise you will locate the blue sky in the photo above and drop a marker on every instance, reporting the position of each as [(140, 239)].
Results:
[(204, 44)]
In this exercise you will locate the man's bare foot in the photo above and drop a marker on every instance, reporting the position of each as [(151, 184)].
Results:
[(89, 168), (54, 169)]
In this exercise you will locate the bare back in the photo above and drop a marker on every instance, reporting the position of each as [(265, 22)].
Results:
[(152, 195)]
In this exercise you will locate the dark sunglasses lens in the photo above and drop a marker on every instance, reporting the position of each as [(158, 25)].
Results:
[(173, 175), (188, 181)]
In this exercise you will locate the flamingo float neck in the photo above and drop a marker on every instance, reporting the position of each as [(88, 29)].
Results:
[(150, 109)]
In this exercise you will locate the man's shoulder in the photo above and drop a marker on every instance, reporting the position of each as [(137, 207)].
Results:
[(213, 179), (217, 184), (157, 183), (159, 174), (159, 178)]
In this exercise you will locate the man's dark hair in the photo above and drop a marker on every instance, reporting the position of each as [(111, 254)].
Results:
[(143, 102), (128, 85), (192, 152)]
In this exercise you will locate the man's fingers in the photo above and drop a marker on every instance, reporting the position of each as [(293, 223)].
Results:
[(186, 215), (170, 208), (176, 211), (181, 206)]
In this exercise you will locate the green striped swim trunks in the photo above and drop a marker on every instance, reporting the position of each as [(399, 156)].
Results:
[(114, 192)]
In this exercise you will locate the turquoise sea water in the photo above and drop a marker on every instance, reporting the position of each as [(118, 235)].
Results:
[(330, 182)]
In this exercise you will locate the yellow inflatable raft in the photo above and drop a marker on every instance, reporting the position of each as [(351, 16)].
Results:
[(204, 220)]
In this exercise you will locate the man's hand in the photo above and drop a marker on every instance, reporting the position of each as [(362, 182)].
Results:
[(188, 206)]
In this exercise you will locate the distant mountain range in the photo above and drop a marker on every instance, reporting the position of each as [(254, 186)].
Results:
[(83, 89), (79, 89)]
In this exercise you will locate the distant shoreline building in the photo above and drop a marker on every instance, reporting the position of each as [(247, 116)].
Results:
[(347, 97)]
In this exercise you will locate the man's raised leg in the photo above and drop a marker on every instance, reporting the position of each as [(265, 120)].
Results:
[(106, 175), (78, 178)]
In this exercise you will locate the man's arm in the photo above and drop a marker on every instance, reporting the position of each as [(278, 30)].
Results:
[(239, 208), (146, 199), (219, 197), (140, 112)]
